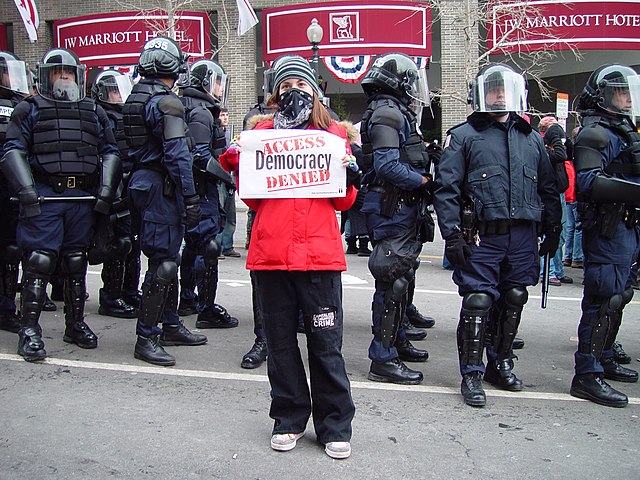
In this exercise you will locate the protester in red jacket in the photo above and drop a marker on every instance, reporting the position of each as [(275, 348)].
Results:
[(295, 255)]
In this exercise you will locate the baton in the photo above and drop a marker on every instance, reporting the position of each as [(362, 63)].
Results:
[(89, 198), (545, 280)]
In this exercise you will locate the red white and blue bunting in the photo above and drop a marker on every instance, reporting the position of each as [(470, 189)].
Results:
[(348, 69)]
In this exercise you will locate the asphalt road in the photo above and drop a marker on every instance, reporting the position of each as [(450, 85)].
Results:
[(103, 414)]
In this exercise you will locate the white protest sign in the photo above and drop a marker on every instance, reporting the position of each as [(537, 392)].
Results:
[(291, 164)]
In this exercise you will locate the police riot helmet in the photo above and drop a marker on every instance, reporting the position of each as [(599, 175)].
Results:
[(161, 57), (397, 74), (61, 76), (614, 88), (498, 88), (209, 76), (111, 87), (14, 76)]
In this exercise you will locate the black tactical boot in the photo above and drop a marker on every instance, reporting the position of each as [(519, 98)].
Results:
[(9, 321), (258, 354), (499, 374), (613, 371), (409, 353), (413, 333), (116, 308), (216, 317), (472, 391), (80, 334), (591, 386), (619, 355), (363, 249), (394, 371), (518, 344), (417, 319), (30, 344), (149, 350), (352, 247), (188, 307), (173, 335)]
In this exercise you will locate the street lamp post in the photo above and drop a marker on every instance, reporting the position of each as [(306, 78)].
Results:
[(314, 35)]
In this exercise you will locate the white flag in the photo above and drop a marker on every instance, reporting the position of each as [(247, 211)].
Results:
[(29, 14), (246, 16)]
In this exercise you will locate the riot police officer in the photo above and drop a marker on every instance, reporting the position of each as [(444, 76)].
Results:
[(121, 271), (161, 195), (607, 163), (397, 165), (64, 142), (202, 100), (493, 183), (15, 85)]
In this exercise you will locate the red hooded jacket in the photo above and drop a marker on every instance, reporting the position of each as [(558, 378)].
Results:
[(295, 234)]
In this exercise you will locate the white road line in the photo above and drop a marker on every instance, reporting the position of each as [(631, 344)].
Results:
[(176, 372)]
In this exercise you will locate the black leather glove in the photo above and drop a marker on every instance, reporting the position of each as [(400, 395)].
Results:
[(550, 241), (456, 249), (353, 178), (192, 210)]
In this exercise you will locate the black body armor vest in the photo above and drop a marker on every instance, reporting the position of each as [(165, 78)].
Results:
[(118, 119), (629, 158), (65, 137), (135, 126), (413, 151)]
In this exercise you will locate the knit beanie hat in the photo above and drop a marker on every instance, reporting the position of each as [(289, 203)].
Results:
[(294, 66)]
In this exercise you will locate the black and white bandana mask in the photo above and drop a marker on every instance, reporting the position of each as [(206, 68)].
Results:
[(295, 109)]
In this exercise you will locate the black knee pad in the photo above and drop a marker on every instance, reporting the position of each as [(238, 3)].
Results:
[(42, 262), (477, 301), (399, 288), (416, 264), (73, 263), (212, 251), (515, 297), (166, 272), (11, 254)]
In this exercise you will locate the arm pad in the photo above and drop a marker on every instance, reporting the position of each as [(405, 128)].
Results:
[(15, 167), (173, 117), (110, 178)]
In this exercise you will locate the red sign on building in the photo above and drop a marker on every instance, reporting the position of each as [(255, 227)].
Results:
[(117, 38), (350, 28), (584, 24)]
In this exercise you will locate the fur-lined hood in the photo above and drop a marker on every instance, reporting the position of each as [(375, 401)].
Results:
[(352, 132)]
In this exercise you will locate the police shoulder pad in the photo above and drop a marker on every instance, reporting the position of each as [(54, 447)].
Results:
[(171, 105), (595, 136), (388, 115)]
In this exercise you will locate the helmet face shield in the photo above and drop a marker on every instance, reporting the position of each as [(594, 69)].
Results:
[(209, 76), (499, 89), (113, 88), (619, 90), (268, 83), (418, 90), (14, 76), (61, 83), (219, 87)]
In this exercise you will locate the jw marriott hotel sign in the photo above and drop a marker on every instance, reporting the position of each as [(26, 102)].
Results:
[(117, 38)]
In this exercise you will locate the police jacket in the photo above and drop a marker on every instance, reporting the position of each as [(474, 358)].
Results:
[(612, 140), (61, 138), (295, 234), (147, 104), (115, 120), (502, 168)]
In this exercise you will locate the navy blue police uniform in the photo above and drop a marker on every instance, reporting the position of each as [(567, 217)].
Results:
[(71, 152), (200, 240), (162, 196), (397, 162), (493, 183), (607, 162)]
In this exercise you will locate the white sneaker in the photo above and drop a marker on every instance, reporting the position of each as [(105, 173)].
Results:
[(283, 442), (338, 450)]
